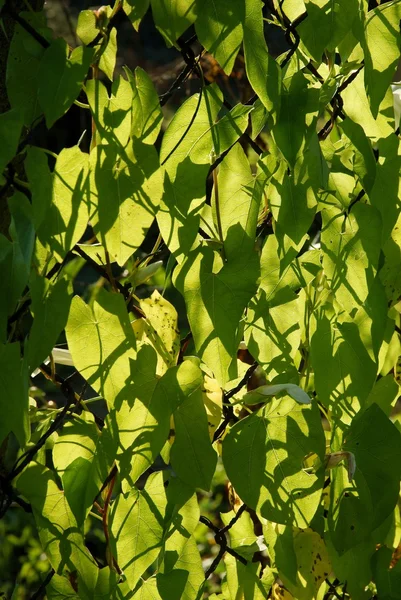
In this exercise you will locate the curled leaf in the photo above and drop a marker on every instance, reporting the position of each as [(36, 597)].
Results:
[(261, 393)]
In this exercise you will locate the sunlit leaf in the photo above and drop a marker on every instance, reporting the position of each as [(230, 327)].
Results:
[(263, 456)]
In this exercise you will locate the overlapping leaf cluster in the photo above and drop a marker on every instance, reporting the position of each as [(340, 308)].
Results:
[(288, 258)]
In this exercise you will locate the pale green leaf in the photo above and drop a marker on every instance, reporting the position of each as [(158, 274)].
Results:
[(112, 114), (216, 295), (126, 187), (282, 270), (66, 219), (242, 536), (192, 456), (136, 525), (61, 539), (272, 334), (357, 108), (381, 50), (74, 459), (60, 78), (263, 456), (191, 137), (102, 344), (87, 26), (236, 202), (219, 29), (182, 575), (147, 115), (243, 580)]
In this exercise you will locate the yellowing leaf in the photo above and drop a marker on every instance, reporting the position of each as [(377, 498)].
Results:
[(213, 401)]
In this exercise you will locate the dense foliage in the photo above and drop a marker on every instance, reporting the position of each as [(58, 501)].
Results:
[(278, 221)]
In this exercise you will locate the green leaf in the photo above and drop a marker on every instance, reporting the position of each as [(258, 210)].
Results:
[(135, 10), (107, 61), (242, 536), (280, 543), (237, 203), (136, 525), (182, 575), (147, 115), (354, 567), (192, 456), (376, 443), (50, 307), (293, 201), (111, 114), (388, 580), (381, 50), (81, 471), (147, 590), (387, 185), (14, 401), (281, 270), (140, 427), (191, 137), (327, 24), (216, 295), (344, 371), (244, 580), (351, 248), (357, 108), (384, 393), (363, 161), (15, 256), (23, 62), (126, 187), (297, 121), (60, 588), (66, 218), (102, 344), (173, 18), (41, 182), (263, 456), (358, 508), (60, 78), (219, 30), (61, 539), (10, 131), (262, 70), (272, 335)]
